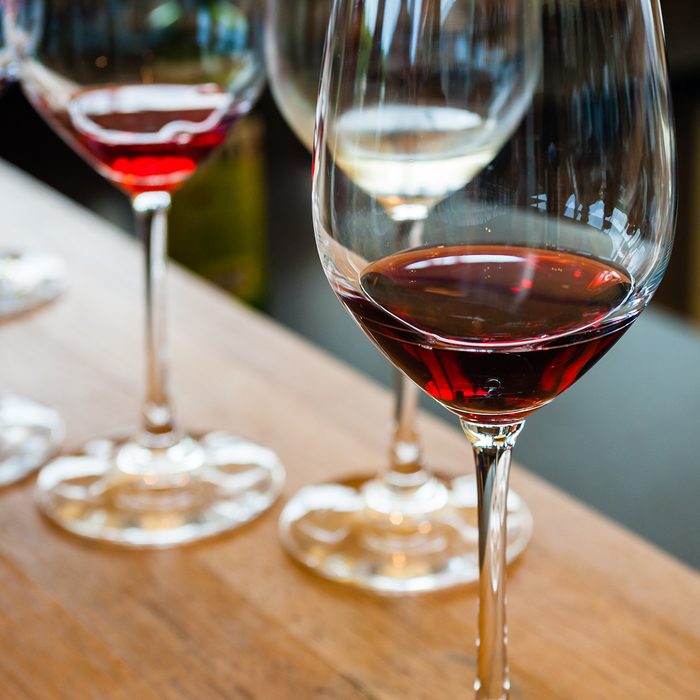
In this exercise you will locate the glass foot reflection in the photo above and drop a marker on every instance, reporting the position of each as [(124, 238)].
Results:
[(336, 531), (195, 489), (29, 434), (28, 280)]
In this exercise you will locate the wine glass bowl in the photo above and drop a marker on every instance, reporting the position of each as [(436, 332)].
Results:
[(495, 352), (148, 94), (405, 530), (518, 280), (440, 125), (145, 91), (294, 38)]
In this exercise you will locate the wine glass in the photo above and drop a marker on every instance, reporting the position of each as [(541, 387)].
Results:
[(145, 90), (29, 432), (335, 529), (27, 279), (537, 265)]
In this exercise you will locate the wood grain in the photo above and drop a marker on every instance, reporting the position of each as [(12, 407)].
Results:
[(594, 612)]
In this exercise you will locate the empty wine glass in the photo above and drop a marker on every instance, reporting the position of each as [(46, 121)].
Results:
[(27, 278), (540, 261), (145, 90), (336, 529)]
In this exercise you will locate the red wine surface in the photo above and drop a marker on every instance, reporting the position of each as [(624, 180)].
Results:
[(492, 332), (147, 137)]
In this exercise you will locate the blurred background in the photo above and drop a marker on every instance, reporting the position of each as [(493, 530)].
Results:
[(244, 222)]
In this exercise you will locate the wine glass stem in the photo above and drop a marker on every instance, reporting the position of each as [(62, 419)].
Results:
[(492, 445), (405, 467), (158, 426)]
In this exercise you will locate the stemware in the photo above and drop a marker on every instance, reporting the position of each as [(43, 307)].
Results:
[(29, 432), (532, 270), (27, 279), (145, 90), (336, 529)]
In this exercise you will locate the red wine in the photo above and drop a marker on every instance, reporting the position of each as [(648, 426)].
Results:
[(146, 137), (492, 332)]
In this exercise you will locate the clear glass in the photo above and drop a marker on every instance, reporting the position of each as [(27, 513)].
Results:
[(348, 532), (532, 262), (145, 90), (30, 433), (27, 279)]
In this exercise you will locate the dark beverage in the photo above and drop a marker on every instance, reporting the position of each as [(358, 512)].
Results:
[(492, 332), (146, 137)]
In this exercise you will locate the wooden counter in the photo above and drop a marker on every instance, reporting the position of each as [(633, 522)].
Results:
[(594, 612)]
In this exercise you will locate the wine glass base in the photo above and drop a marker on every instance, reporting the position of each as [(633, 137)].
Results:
[(29, 434), (330, 529), (90, 496), (29, 280)]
